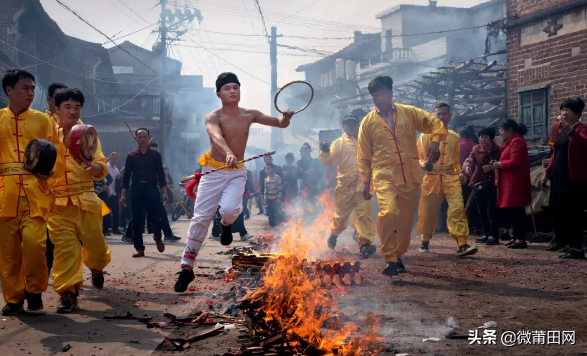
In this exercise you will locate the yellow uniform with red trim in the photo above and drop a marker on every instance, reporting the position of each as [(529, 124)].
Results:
[(25, 203), (77, 217), (442, 182), (348, 193), (390, 156)]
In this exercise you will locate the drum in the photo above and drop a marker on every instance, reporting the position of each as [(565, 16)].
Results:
[(39, 157), (82, 142)]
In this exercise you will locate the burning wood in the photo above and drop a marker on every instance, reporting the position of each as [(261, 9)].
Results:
[(320, 273)]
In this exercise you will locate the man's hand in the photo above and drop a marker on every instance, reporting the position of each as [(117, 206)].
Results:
[(165, 197), (44, 177), (367, 191), (463, 178), (497, 165), (324, 147), (488, 168), (123, 200), (104, 188), (467, 171), (231, 160), (565, 127), (545, 162), (287, 115), (434, 152)]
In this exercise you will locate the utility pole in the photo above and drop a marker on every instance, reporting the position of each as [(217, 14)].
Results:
[(162, 84), (276, 133)]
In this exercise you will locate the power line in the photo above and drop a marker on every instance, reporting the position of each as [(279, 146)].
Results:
[(309, 50), (103, 34), (262, 18), (129, 100), (251, 19), (133, 11), (129, 34), (227, 62), (122, 12)]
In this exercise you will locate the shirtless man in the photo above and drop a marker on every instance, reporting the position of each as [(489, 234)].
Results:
[(228, 128)]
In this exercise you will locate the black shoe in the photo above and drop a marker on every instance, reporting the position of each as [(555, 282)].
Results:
[(424, 246), (367, 250), (564, 249), (34, 302), (400, 266), (127, 240), (505, 236), (510, 243), (171, 238), (97, 278), (492, 241), (117, 232), (554, 247), (68, 303), (226, 235), (106, 233), (518, 245), (467, 250), (11, 309), (482, 240), (390, 270), (186, 276), (332, 241), (574, 254)]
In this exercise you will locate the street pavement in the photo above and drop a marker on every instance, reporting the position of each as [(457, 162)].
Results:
[(142, 286)]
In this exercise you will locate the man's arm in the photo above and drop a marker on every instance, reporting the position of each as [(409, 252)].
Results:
[(428, 123), (97, 168), (423, 146), (282, 122), (365, 152), (330, 159), (217, 139), (160, 171), (127, 173)]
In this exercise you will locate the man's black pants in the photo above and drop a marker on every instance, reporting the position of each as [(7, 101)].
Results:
[(144, 195), (115, 212)]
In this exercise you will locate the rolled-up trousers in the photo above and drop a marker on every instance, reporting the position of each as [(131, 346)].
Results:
[(428, 211), (23, 263), (224, 188), (397, 207), (68, 225), (349, 200)]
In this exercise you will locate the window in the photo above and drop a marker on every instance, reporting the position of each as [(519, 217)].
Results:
[(123, 69), (533, 112)]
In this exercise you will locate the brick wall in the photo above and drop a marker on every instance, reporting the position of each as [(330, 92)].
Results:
[(558, 62), (524, 8)]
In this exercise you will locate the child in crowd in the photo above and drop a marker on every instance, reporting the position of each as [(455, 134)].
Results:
[(272, 195)]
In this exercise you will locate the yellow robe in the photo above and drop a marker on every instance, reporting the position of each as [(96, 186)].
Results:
[(77, 217), (391, 158), (442, 182), (25, 203), (348, 192)]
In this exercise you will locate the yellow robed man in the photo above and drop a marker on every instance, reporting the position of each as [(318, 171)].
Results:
[(78, 213), (444, 181), (348, 193), (387, 152), (25, 200)]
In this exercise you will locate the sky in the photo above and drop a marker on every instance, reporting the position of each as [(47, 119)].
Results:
[(231, 34)]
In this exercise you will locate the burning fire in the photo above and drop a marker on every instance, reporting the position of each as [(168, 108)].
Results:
[(290, 302)]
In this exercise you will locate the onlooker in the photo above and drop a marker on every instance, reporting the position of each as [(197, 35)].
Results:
[(290, 162), (478, 170), (272, 195), (513, 181), (310, 172), (249, 190), (114, 191), (466, 144), (290, 184), (262, 175), (102, 190), (567, 171)]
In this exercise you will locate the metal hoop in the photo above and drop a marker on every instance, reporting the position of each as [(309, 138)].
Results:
[(288, 84)]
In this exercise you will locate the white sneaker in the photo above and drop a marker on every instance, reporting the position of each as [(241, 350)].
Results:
[(246, 237)]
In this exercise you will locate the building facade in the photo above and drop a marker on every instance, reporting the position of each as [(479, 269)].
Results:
[(547, 60)]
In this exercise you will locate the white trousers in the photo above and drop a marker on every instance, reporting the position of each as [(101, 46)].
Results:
[(224, 188)]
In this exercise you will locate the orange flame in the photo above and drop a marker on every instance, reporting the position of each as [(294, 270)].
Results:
[(291, 300)]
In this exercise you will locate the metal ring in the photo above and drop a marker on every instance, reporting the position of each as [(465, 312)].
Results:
[(288, 84)]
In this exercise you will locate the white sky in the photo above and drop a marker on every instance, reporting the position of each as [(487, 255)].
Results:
[(309, 18)]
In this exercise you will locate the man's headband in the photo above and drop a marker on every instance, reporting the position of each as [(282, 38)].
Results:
[(226, 78)]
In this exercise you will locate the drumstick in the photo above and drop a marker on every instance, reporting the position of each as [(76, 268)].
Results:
[(180, 203), (172, 192), (188, 178)]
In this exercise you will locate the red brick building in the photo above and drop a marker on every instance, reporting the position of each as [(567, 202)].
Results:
[(547, 59)]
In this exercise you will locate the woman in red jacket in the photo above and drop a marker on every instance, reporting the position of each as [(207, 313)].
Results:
[(513, 181), (567, 172)]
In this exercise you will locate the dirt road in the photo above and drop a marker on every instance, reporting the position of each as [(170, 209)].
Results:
[(520, 290)]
